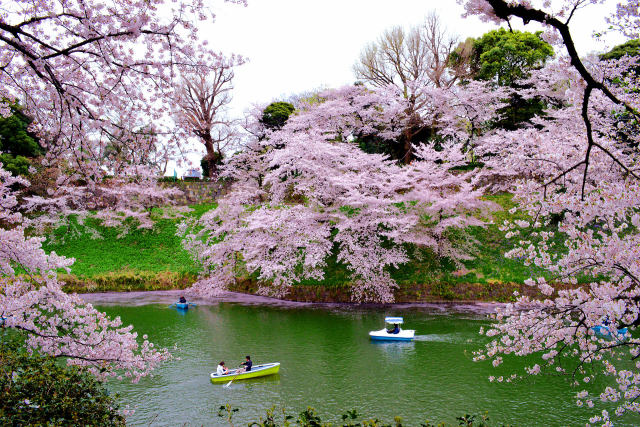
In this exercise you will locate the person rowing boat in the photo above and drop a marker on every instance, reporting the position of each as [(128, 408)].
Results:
[(247, 365)]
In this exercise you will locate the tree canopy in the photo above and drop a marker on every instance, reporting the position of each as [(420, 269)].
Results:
[(630, 48), (276, 114), (504, 57), (17, 143), (15, 138)]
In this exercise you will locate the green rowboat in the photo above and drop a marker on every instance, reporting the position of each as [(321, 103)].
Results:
[(255, 372)]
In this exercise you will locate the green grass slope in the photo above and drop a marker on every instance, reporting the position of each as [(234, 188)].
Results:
[(155, 259), (139, 260)]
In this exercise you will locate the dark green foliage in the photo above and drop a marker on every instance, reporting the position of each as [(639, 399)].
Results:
[(204, 163), (630, 48), (36, 390), (15, 138), (468, 167), (518, 112), (505, 56), (17, 165), (627, 124), (627, 129), (167, 179), (16, 142), (276, 114), (395, 149), (376, 145)]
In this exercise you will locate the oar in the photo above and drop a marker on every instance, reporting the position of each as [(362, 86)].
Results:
[(229, 383), (193, 304)]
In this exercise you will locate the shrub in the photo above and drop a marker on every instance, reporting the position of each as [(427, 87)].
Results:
[(167, 179), (17, 165), (35, 390), (276, 114)]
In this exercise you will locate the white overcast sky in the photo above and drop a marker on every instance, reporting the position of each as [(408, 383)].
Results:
[(295, 46)]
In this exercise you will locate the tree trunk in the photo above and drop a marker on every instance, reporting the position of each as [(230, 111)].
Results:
[(407, 148), (211, 156), (409, 131)]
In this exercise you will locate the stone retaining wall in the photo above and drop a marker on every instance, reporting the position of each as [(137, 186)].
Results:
[(195, 192)]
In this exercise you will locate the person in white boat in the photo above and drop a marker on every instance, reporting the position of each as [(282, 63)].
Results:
[(222, 370), (395, 330)]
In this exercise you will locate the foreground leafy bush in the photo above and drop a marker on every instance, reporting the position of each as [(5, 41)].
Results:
[(309, 418), (36, 390)]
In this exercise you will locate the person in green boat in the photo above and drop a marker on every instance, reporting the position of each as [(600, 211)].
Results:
[(247, 365), (222, 370)]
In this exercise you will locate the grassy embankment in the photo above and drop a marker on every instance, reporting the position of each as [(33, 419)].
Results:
[(142, 260), (154, 259)]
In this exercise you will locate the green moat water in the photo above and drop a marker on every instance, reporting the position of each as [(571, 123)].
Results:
[(329, 363)]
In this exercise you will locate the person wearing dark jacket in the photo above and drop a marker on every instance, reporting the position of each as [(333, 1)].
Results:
[(247, 364)]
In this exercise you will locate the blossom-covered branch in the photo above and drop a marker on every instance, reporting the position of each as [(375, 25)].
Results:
[(307, 191), (578, 181)]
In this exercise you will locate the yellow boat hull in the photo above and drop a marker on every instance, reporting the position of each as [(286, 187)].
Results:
[(255, 372)]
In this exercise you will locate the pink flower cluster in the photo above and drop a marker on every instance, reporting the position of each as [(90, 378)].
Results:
[(306, 192), (576, 167), (95, 77)]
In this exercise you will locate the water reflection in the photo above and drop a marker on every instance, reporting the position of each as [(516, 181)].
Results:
[(253, 383), (182, 311), (396, 349)]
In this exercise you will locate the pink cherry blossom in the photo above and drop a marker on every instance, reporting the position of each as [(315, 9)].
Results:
[(95, 77), (305, 192), (573, 168)]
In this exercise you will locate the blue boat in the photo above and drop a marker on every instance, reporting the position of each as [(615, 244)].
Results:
[(183, 305), (394, 333), (603, 331)]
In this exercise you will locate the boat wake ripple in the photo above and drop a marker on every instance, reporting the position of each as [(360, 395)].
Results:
[(449, 338)]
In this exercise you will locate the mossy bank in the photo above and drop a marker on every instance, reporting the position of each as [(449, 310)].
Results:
[(144, 260)]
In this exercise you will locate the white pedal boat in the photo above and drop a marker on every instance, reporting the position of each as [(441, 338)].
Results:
[(394, 333)]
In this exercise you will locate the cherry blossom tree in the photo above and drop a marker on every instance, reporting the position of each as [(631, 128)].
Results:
[(91, 75), (54, 322), (570, 168), (319, 193)]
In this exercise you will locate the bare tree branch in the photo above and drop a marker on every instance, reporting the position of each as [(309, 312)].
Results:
[(202, 102)]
